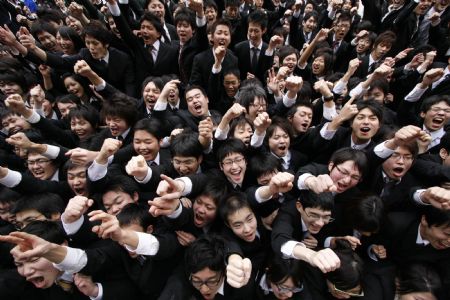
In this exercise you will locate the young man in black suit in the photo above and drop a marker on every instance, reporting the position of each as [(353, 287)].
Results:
[(216, 58), (336, 40), (304, 34)]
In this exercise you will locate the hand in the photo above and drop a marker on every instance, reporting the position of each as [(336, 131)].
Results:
[(164, 205), (110, 147), (220, 52), (174, 133), (20, 140), (167, 186), (272, 81), (205, 132), (250, 75), (197, 6), (168, 88), (28, 245), (298, 5), (429, 57), (294, 84), (75, 9), (321, 35), (379, 251), (320, 184), (275, 42), (431, 76), (137, 167), (282, 73), (45, 70), (353, 65), (348, 111), (262, 122), (7, 37), (326, 260), (81, 67), (85, 285), (310, 242), (354, 242), (81, 157), (362, 33), (438, 197), (37, 96), (407, 134), (382, 71), (401, 55), (336, 4), (424, 141), (185, 238), (26, 39), (435, 18), (109, 227), (15, 103), (417, 60), (239, 271), (281, 183), (234, 111), (186, 202), (76, 207), (321, 86)]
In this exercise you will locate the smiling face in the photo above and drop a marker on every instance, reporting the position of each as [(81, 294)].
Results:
[(64, 108), (302, 119), (255, 33), (363, 45), (221, 36), (313, 217), (345, 175), (76, 178), (438, 236), (205, 211), (74, 87), (243, 223), (380, 50), (150, 94), (214, 278), (283, 290), (231, 84), (157, 8), (396, 166), (184, 31), (234, 166), (290, 61), (13, 123), (186, 165), (146, 144), (65, 44), (197, 103), (318, 66), (259, 105), (279, 142), (115, 201), (423, 7), (364, 126), (75, 24), (309, 25), (243, 133), (9, 88), (81, 127), (37, 270), (116, 125), (48, 41), (437, 116), (40, 166)]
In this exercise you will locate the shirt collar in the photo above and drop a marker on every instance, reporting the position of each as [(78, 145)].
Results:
[(221, 288), (259, 46), (125, 133), (304, 228), (55, 176), (358, 146), (420, 240), (156, 160), (106, 57), (386, 178), (435, 134)]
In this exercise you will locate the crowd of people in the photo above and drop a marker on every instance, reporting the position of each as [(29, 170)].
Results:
[(225, 149)]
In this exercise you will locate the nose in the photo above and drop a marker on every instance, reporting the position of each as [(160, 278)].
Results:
[(28, 269), (204, 288), (115, 209)]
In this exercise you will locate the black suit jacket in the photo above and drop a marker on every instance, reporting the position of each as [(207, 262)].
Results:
[(244, 55), (119, 72), (202, 66)]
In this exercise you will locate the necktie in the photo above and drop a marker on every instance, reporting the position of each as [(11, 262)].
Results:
[(388, 187), (152, 164), (120, 138), (103, 63), (183, 76), (372, 67), (150, 49), (254, 61), (67, 286), (335, 46)]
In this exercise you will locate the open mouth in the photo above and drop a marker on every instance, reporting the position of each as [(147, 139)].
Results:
[(38, 173), (222, 43), (79, 191), (37, 281), (114, 131), (437, 122), (304, 126), (198, 108), (236, 176), (14, 130), (198, 219), (398, 171), (365, 130)]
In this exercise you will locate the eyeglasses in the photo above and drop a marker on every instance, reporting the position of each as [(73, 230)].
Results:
[(405, 157), (345, 173), (438, 109), (230, 162), (316, 217), (360, 294), (210, 283), (39, 162), (285, 290), (259, 105)]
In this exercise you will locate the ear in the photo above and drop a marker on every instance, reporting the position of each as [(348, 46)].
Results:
[(330, 166), (135, 196), (149, 229), (264, 30), (422, 115), (298, 205), (55, 216), (423, 221), (200, 159), (443, 153)]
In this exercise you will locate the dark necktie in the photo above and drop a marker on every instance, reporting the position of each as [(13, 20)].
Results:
[(254, 61), (152, 164), (388, 187), (120, 138), (335, 46), (150, 51), (103, 63)]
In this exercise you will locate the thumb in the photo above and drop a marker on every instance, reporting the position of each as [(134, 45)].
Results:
[(90, 202), (141, 161), (247, 267)]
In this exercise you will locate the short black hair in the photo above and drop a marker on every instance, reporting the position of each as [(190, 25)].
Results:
[(50, 231), (7, 195), (262, 163), (207, 251), (157, 81), (234, 3), (230, 146), (122, 106), (134, 213), (120, 183), (258, 17), (45, 203), (186, 145), (365, 213), (248, 93), (154, 20), (323, 201), (42, 26), (280, 269), (348, 154), (417, 277), (151, 126), (430, 101), (184, 14), (283, 124), (70, 33), (231, 203), (99, 32), (216, 189), (86, 112), (436, 217)]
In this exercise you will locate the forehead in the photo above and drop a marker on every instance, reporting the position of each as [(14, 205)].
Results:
[(222, 28), (151, 85), (77, 170), (155, 3), (306, 109), (89, 38), (239, 214), (254, 25), (29, 213), (34, 155), (366, 112), (278, 130), (205, 273), (44, 34), (440, 104), (402, 150), (318, 210), (112, 196), (193, 92), (142, 134), (233, 155), (207, 200)]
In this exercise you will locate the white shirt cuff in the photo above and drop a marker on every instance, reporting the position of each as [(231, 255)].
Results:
[(287, 249), (147, 245), (34, 118), (327, 242), (101, 86), (258, 198), (415, 94), (257, 140), (177, 212), (269, 52), (216, 71), (327, 134), (417, 197), (11, 179), (100, 292), (381, 150), (114, 9), (75, 260), (187, 185), (52, 152), (329, 113), (357, 91), (288, 102), (200, 21), (371, 254), (222, 134), (159, 106), (97, 171), (147, 177), (301, 181), (72, 228), (339, 87)]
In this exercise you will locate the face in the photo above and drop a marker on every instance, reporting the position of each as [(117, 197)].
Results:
[(232, 12), (423, 6), (211, 14), (243, 133), (113, 27), (258, 106), (205, 210), (146, 144), (186, 165), (65, 44), (381, 49), (377, 94), (149, 33), (255, 33), (116, 125), (40, 166), (398, 164), (309, 25), (436, 117), (279, 142), (231, 84), (347, 6), (221, 36), (115, 201), (285, 289), (318, 66), (265, 178), (345, 175), (76, 178), (37, 270), (97, 49), (364, 126), (197, 103), (75, 24), (184, 31), (363, 45), (150, 94), (343, 294), (74, 87), (290, 61), (309, 8), (5, 214), (314, 217), (64, 108), (9, 88), (418, 296), (48, 41), (13, 124), (25, 217), (207, 282), (398, 3), (342, 28), (445, 156), (174, 97), (438, 236), (81, 127), (302, 118), (243, 223), (234, 167), (157, 8)]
